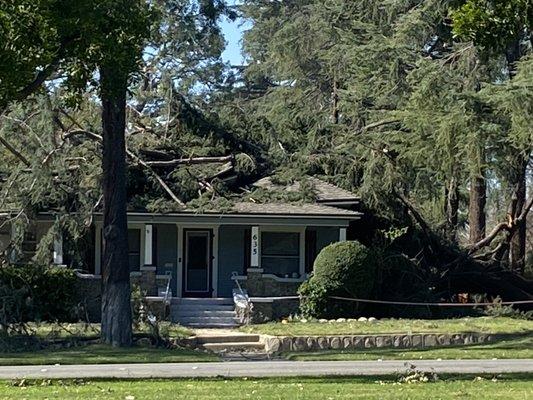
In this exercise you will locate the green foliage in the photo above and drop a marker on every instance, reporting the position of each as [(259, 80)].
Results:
[(31, 293), (499, 310), (493, 24), (40, 36), (345, 269)]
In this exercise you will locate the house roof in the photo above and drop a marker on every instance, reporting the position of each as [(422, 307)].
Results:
[(293, 210), (325, 192)]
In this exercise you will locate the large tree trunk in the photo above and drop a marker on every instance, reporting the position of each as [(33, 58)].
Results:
[(116, 308), (517, 252), (476, 209)]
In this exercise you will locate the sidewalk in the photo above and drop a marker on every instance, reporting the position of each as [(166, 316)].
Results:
[(264, 369)]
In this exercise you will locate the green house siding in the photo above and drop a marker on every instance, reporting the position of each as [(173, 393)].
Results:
[(231, 248), (167, 252)]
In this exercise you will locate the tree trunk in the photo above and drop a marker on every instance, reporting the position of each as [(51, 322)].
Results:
[(116, 294), (452, 209), (335, 98), (517, 252), (476, 209)]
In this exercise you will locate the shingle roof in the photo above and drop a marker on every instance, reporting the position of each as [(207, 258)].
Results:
[(324, 191), (294, 209)]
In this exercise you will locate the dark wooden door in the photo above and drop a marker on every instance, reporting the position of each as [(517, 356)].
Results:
[(197, 262)]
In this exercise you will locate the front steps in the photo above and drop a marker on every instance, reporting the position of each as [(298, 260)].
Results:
[(204, 313), (232, 346)]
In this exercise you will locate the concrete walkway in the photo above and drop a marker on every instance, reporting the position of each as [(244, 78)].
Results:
[(264, 369)]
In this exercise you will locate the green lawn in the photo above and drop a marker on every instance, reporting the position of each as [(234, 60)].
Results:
[(101, 354), (82, 352), (507, 387), (513, 348), (81, 330), (400, 326)]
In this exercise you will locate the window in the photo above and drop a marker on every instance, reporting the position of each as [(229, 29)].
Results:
[(134, 249), (280, 253)]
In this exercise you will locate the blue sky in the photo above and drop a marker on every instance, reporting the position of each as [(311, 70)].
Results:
[(233, 33)]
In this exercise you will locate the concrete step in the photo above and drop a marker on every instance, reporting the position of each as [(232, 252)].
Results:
[(202, 325), (206, 320), (202, 307), (256, 355), (210, 301), (234, 346), (180, 313), (227, 339)]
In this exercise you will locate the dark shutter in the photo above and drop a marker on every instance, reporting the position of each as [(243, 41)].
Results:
[(247, 249), (310, 250)]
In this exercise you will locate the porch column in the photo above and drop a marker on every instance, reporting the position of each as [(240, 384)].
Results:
[(342, 235), (148, 235), (148, 280), (58, 250), (254, 258)]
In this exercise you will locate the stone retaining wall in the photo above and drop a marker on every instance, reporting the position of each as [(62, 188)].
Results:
[(276, 344)]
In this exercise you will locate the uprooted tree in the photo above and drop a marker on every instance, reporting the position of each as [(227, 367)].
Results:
[(422, 108)]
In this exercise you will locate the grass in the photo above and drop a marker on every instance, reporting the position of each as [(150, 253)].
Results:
[(101, 354), (516, 387), (512, 348), (48, 331), (27, 350), (401, 326)]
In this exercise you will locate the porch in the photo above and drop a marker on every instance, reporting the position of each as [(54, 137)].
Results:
[(186, 259)]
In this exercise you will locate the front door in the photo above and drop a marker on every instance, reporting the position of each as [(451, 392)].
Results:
[(197, 263)]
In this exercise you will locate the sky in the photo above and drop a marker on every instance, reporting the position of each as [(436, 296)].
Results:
[(233, 31)]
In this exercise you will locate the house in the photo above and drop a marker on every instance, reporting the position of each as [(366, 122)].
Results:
[(268, 248)]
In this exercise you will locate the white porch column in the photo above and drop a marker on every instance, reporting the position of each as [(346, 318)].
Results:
[(254, 259), (342, 235), (58, 250), (148, 234)]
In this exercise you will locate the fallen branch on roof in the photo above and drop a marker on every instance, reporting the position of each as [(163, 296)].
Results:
[(134, 157), (190, 161)]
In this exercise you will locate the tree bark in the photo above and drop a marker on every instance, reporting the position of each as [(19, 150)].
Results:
[(335, 98), (476, 209), (517, 252), (452, 209), (116, 309)]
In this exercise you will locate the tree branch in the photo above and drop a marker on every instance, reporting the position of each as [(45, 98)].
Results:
[(510, 226), (190, 161), (15, 152), (133, 156)]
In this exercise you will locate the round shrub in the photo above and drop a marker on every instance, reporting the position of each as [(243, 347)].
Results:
[(345, 269)]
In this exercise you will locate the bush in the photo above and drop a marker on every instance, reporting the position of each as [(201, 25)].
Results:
[(32, 293), (345, 269)]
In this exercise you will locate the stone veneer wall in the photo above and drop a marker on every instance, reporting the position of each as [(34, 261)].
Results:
[(89, 290), (276, 344), (265, 309), (259, 285)]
